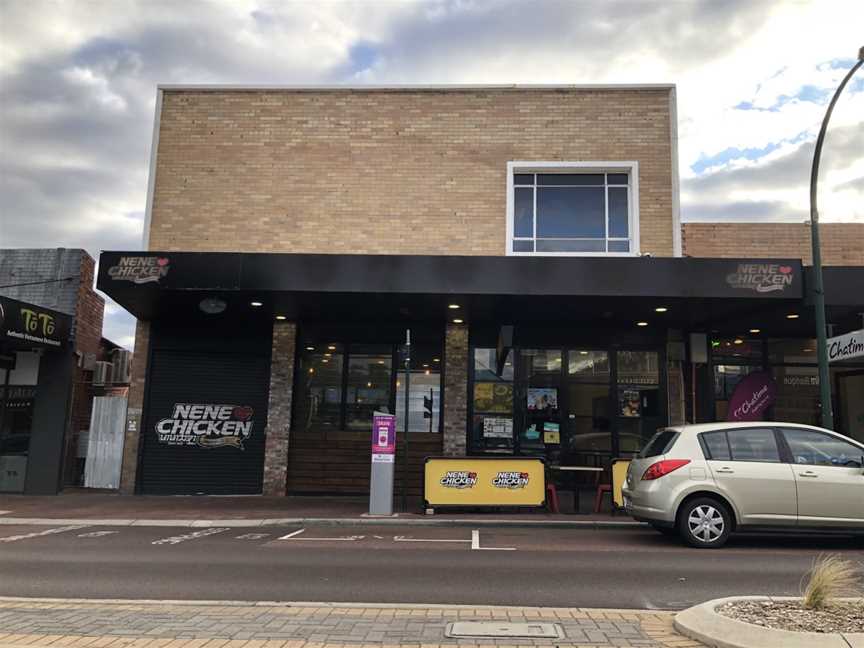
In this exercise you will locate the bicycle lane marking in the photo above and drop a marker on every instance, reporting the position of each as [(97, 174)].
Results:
[(46, 532), (194, 535)]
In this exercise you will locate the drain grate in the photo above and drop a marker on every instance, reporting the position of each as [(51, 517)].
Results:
[(481, 629)]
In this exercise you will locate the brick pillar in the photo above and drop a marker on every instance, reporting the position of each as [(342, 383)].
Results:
[(675, 377), (279, 410), (134, 408), (455, 390)]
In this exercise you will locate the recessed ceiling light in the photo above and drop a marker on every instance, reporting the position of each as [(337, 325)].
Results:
[(325, 360), (738, 341), (311, 369), (380, 362), (792, 316), (281, 317), (332, 347), (755, 330), (213, 305), (255, 303), (807, 350), (453, 306), (660, 309), (425, 365), (310, 348), (583, 353), (328, 355), (436, 359), (641, 323), (458, 321)]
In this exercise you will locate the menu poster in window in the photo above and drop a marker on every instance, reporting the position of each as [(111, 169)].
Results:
[(551, 433), (542, 398), (493, 398), (497, 428), (629, 403)]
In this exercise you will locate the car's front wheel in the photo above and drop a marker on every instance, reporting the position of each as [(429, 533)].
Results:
[(704, 523)]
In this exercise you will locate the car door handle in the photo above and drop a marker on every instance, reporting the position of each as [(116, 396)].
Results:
[(808, 473), (725, 471)]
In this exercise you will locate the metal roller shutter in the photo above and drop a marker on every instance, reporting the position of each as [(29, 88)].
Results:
[(219, 462)]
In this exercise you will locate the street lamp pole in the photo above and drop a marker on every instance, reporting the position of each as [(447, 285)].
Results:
[(819, 286)]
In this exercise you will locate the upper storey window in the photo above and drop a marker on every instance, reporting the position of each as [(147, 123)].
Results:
[(572, 208)]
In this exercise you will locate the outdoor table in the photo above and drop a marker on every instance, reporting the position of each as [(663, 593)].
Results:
[(575, 487)]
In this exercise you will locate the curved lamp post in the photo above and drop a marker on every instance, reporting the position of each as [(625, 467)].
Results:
[(819, 288)]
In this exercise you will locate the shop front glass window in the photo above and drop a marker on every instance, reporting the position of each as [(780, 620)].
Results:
[(588, 419), (492, 401), (541, 383), (726, 378), (368, 385), (320, 407), (17, 402), (639, 409), (797, 394), (424, 405)]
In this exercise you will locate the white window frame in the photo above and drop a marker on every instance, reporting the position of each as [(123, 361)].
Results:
[(630, 167)]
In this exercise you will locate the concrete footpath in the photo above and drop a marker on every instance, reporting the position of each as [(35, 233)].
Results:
[(181, 624), (257, 511)]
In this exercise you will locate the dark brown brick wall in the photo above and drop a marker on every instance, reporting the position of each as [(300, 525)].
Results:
[(135, 406), (279, 409)]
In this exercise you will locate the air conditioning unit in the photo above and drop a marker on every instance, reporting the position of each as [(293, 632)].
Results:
[(121, 366), (102, 373)]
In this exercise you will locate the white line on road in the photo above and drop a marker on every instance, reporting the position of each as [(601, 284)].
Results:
[(291, 535), (475, 544), (253, 536), (96, 534), (39, 534), (173, 540), (404, 539)]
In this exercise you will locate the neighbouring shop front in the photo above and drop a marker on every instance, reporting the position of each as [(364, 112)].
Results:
[(263, 370), (35, 386)]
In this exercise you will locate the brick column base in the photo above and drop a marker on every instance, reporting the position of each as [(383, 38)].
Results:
[(455, 391), (279, 409), (675, 377), (134, 408)]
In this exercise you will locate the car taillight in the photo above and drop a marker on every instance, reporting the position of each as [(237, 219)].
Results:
[(657, 470)]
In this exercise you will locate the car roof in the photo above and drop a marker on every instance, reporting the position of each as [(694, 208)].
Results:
[(712, 427)]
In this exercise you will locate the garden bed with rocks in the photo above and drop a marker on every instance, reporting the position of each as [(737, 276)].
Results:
[(840, 617)]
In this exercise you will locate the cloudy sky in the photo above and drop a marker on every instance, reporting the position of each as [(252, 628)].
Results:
[(78, 84)]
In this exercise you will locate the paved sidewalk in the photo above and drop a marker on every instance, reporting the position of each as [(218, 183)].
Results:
[(108, 509), (167, 624)]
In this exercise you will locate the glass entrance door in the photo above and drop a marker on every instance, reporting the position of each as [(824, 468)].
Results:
[(588, 436), (539, 393)]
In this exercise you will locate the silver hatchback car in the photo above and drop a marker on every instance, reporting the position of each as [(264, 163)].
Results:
[(705, 481)]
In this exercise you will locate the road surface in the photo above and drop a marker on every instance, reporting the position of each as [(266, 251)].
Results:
[(622, 568)]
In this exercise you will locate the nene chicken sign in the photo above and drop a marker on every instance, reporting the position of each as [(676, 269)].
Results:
[(206, 425)]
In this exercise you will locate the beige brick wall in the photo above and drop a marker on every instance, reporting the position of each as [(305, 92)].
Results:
[(387, 171), (842, 243)]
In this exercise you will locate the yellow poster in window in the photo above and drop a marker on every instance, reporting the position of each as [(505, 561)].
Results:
[(472, 481)]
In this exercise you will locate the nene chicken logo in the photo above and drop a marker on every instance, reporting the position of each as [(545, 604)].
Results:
[(140, 269), (511, 480), (206, 426), (459, 479)]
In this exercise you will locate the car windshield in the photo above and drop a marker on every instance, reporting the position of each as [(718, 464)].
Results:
[(659, 444)]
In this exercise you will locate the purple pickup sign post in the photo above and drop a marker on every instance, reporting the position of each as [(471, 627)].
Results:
[(752, 397), (383, 434), (383, 464)]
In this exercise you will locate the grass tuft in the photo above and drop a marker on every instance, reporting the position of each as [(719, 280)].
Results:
[(830, 578)]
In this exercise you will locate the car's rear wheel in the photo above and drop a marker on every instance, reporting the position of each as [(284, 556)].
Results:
[(704, 523)]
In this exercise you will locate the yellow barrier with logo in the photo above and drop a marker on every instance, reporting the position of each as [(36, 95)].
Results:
[(619, 476), (482, 481)]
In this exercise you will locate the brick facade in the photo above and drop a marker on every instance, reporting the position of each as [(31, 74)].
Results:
[(455, 390), (279, 408), (842, 243), (388, 171)]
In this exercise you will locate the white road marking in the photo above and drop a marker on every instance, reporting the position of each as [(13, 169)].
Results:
[(475, 544), (39, 534), (294, 534), (252, 536), (173, 540), (96, 534), (404, 539), (291, 535)]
